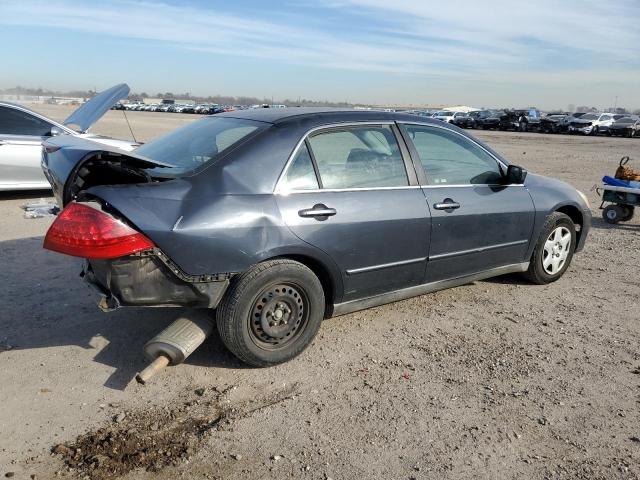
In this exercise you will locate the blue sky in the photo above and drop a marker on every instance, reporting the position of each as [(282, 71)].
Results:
[(545, 53)]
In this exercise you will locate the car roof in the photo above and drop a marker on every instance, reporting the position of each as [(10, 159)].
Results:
[(16, 105), (283, 115), (24, 108)]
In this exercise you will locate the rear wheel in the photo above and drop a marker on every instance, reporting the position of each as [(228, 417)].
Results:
[(271, 313), (627, 213), (553, 251)]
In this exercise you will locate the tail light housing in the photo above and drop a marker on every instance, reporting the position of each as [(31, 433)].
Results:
[(81, 230)]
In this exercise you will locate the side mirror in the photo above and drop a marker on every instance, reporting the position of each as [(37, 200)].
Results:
[(515, 175), (55, 131)]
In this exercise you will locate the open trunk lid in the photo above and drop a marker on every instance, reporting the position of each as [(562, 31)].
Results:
[(92, 110)]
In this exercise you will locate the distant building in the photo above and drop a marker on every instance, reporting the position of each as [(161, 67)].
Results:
[(462, 108)]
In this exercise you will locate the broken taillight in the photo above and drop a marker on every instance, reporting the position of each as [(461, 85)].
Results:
[(83, 231), (51, 148)]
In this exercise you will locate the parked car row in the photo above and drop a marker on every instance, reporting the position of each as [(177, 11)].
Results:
[(202, 108), (532, 120)]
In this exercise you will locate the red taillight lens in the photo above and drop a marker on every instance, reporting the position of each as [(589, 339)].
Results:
[(83, 231)]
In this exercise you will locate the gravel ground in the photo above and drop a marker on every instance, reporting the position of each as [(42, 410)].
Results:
[(497, 379)]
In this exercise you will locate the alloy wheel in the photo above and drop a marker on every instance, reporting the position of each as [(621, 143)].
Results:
[(556, 250)]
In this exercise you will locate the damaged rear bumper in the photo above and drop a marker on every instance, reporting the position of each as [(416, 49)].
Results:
[(150, 279)]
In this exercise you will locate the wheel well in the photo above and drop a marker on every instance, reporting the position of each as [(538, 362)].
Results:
[(323, 275), (575, 215)]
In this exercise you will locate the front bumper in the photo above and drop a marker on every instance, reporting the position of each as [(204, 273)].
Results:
[(622, 132), (584, 130), (147, 281)]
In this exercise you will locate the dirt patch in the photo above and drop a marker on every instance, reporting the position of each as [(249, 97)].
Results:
[(156, 438), (149, 440)]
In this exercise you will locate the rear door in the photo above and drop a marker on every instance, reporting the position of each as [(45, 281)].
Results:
[(21, 136), (348, 192), (478, 223)]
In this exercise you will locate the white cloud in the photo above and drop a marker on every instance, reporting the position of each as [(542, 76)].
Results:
[(411, 37), (460, 42)]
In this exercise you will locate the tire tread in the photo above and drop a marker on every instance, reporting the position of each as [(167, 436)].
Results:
[(533, 273), (228, 309)]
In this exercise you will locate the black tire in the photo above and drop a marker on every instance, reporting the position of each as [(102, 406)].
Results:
[(612, 214), (256, 316), (627, 213), (537, 273)]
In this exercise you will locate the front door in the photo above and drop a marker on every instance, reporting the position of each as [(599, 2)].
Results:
[(347, 192), (21, 136), (478, 223)]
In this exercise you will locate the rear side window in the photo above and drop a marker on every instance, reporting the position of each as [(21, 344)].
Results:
[(17, 122), (199, 142), (451, 159), (359, 157), (300, 175)]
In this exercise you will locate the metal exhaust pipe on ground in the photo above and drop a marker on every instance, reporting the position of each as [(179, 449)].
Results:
[(176, 342)]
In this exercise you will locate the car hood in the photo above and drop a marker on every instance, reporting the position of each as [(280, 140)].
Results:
[(583, 121), (92, 110)]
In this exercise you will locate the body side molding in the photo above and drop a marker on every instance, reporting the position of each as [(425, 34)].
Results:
[(403, 294)]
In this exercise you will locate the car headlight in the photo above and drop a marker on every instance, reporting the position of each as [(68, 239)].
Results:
[(584, 197)]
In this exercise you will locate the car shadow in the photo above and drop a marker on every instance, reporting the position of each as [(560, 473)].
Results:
[(508, 279), (26, 195), (600, 224), (45, 304)]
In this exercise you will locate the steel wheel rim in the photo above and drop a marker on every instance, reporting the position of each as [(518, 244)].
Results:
[(612, 214), (278, 316), (556, 250)]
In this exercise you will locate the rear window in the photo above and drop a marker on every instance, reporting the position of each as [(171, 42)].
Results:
[(198, 143)]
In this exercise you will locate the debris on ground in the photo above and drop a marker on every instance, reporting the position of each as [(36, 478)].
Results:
[(40, 209), (137, 440)]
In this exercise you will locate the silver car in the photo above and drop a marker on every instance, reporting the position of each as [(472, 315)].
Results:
[(22, 132)]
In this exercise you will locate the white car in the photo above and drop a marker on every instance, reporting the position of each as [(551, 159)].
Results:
[(593, 123), (444, 116), (22, 132)]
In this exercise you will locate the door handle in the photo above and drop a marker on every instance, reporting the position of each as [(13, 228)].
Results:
[(318, 210), (446, 204)]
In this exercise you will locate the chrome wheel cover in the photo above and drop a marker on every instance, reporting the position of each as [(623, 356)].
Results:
[(556, 250)]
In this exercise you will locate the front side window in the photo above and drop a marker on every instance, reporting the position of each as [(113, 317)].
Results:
[(17, 122), (451, 159), (358, 157)]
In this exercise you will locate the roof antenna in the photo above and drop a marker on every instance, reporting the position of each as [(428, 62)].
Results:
[(129, 125)]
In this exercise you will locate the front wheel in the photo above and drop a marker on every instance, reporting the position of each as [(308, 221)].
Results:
[(553, 251), (271, 313), (613, 214)]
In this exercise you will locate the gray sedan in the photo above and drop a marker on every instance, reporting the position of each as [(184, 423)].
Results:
[(280, 218)]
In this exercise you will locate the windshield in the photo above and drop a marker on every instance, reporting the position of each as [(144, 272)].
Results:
[(444, 114), (589, 116), (199, 142), (625, 120)]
